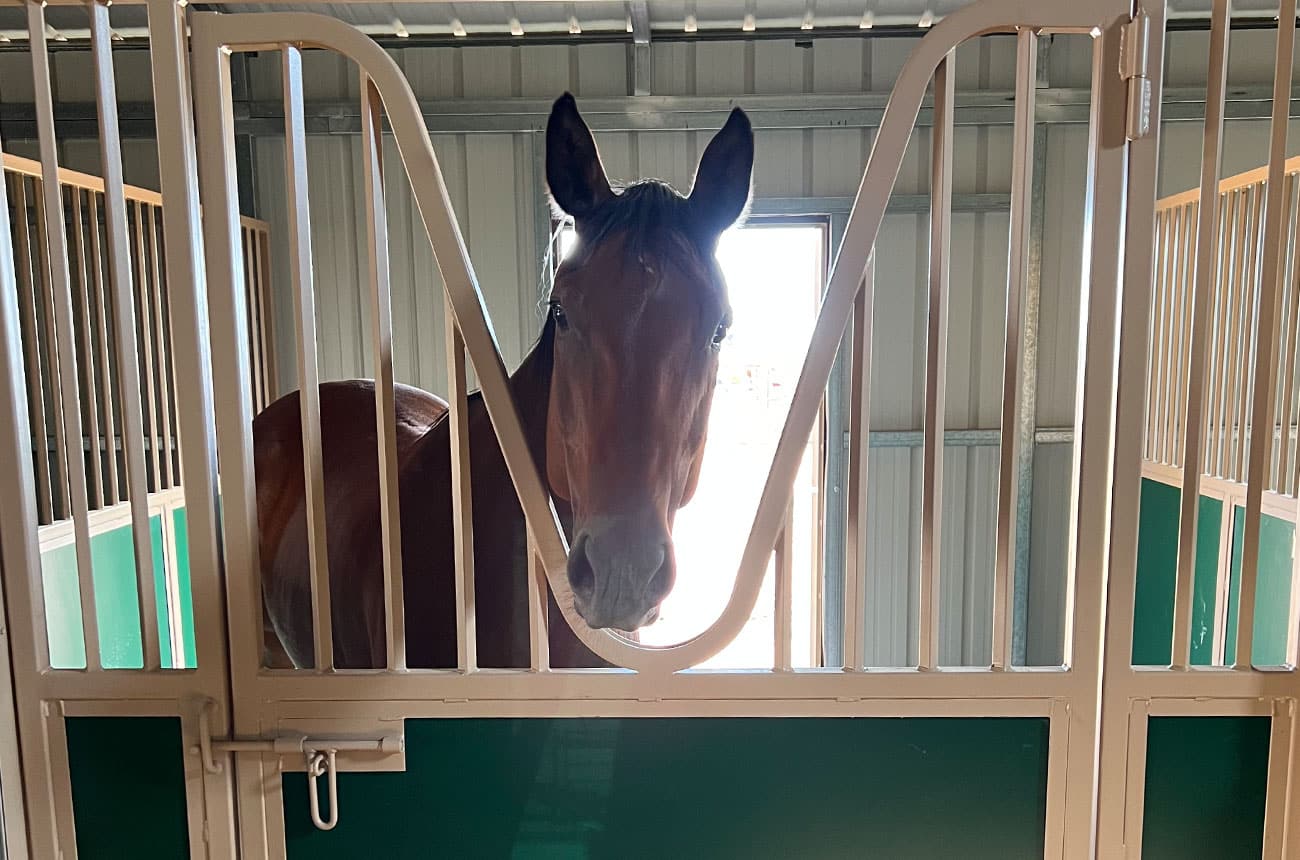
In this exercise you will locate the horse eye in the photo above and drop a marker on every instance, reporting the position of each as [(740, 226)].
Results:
[(719, 335), (561, 319)]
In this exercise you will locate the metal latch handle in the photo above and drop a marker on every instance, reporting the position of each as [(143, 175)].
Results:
[(323, 763)]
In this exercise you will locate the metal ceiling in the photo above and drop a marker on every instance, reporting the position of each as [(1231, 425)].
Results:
[(584, 18), (521, 19)]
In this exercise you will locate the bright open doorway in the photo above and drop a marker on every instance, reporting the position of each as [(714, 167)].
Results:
[(774, 273)]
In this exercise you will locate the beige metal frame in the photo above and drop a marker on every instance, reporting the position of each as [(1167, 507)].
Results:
[(1230, 346), (1096, 703), (263, 698)]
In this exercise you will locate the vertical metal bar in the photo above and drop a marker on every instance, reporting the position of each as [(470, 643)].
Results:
[(1237, 334), (1018, 627), (1215, 459), (1188, 244), (1153, 440), (538, 610), (23, 647), (855, 534), (1180, 313), (1280, 785), (220, 675), (1182, 293), (61, 315), (93, 395), (1168, 297), (53, 369), (1135, 785), (203, 256), (1206, 250), (300, 273), (1278, 392), (1231, 300), (258, 309), (113, 493), (1121, 545), (461, 497), (1221, 344), (936, 364), (267, 314), (1250, 335), (142, 293), (128, 369), (27, 314), (1058, 733), (164, 366), (1270, 291), (381, 316), (248, 244), (1112, 222), (1009, 454), (783, 609), (1288, 380)]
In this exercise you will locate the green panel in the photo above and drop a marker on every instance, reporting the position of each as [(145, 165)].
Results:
[(1206, 779), (116, 599), (160, 591), (128, 788), (190, 653), (694, 788), (117, 609), (1157, 576), (1272, 588), (63, 608)]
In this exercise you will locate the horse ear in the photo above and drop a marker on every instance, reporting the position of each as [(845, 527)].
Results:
[(573, 169), (722, 182)]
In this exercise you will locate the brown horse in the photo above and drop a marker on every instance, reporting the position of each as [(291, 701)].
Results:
[(614, 400)]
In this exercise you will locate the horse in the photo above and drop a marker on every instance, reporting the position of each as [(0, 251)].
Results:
[(614, 399)]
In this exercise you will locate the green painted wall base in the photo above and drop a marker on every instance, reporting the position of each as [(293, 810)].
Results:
[(128, 788), (694, 788), (1206, 779)]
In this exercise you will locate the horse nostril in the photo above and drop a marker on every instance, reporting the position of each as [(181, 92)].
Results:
[(582, 577)]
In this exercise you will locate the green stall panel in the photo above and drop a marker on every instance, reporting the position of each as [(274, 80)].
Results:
[(1157, 576), (189, 652), (117, 608), (1272, 589), (63, 608), (128, 788), (1205, 787), (694, 788)]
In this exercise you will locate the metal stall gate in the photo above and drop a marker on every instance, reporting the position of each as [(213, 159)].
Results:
[(243, 724)]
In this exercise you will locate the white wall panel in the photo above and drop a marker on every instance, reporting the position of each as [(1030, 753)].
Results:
[(720, 69), (779, 68)]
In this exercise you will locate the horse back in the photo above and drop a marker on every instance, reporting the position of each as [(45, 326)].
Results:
[(349, 449)]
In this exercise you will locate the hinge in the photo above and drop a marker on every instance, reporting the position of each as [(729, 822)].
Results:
[(1134, 48)]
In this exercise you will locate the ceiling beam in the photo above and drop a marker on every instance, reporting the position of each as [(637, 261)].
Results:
[(77, 120), (639, 14)]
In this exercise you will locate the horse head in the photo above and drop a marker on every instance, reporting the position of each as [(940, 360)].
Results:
[(638, 314)]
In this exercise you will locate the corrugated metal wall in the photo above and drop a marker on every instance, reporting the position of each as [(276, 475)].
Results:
[(496, 189), (494, 183)]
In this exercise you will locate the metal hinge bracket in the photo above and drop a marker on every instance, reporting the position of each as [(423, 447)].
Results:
[(1134, 49)]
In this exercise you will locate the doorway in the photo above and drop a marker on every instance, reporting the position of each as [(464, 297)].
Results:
[(775, 272)]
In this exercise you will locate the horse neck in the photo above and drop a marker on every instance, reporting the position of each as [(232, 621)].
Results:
[(530, 386)]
